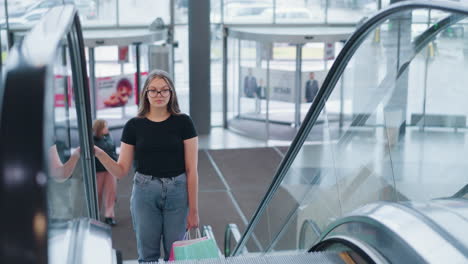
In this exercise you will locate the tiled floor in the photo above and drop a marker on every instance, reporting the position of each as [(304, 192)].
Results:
[(226, 139)]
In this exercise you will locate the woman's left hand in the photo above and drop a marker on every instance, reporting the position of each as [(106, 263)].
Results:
[(192, 220)]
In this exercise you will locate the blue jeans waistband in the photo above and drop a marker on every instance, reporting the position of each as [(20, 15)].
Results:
[(160, 178)]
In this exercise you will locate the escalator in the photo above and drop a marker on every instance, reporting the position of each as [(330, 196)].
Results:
[(388, 183), (392, 162), (48, 197)]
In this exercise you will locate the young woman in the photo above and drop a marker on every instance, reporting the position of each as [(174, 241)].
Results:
[(106, 183), (164, 144)]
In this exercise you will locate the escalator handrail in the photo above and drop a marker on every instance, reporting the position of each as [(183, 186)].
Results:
[(232, 231), (26, 105), (38, 50), (40, 44), (334, 74)]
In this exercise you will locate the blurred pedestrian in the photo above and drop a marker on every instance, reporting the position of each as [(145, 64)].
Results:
[(106, 183), (311, 88)]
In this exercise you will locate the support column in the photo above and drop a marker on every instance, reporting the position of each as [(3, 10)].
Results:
[(298, 82), (225, 77), (92, 82), (199, 68), (138, 73)]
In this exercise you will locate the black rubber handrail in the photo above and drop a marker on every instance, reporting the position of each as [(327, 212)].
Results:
[(462, 192), (338, 67), (232, 231)]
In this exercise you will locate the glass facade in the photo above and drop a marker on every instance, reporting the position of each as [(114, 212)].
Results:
[(275, 81), (122, 14)]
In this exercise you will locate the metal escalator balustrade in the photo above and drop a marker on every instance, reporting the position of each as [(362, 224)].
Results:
[(397, 72)]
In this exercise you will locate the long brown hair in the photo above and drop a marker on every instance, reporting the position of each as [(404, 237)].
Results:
[(172, 106), (98, 127)]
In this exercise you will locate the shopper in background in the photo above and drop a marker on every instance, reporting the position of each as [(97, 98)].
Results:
[(311, 88), (106, 183)]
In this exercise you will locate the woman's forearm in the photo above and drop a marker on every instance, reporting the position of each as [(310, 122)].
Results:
[(192, 188), (113, 167)]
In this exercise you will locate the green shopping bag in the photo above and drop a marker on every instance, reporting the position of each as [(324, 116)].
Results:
[(196, 249)]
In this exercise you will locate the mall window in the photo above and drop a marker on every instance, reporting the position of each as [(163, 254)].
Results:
[(138, 14)]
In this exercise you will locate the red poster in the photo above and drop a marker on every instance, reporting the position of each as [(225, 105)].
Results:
[(123, 54), (114, 91)]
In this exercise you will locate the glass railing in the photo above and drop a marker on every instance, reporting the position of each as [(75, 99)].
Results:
[(71, 188), (394, 112)]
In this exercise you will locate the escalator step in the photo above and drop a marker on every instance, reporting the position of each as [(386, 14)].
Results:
[(315, 258)]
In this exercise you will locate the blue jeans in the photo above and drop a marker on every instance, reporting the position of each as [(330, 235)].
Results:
[(159, 208)]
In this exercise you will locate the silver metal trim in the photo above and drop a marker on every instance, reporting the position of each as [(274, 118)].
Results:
[(405, 222), (88, 241), (290, 34), (366, 248), (122, 37)]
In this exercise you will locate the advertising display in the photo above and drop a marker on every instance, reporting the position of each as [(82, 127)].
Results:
[(282, 83), (252, 83), (311, 83), (111, 91), (115, 91)]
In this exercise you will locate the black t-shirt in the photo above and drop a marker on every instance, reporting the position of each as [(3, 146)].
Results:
[(159, 146)]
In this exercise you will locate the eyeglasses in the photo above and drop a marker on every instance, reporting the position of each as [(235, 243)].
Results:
[(163, 93)]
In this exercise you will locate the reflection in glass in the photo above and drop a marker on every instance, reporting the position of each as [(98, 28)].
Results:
[(181, 12), (181, 67), (27, 13), (216, 75), (301, 12), (60, 171), (97, 12), (255, 11), (132, 12), (215, 13), (232, 78), (66, 192), (3, 38), (350, 11)]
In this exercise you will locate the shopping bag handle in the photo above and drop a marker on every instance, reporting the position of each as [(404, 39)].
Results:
[(187, 234)]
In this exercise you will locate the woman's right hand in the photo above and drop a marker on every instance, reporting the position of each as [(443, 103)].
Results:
[(98, 152)]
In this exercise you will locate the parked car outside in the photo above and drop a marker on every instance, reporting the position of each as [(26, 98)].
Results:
[(26, 20), (86, 8), (247, 13), (290, 15)]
